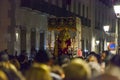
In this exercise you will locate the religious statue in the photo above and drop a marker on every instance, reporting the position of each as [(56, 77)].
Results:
[(63, 41)]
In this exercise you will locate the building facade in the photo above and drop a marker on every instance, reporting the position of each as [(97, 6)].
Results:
[(27, 23)]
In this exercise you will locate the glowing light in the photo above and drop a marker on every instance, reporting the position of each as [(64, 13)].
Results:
[(108, 43), (106, 28), (117, 10), (97, 42), (17, 36)]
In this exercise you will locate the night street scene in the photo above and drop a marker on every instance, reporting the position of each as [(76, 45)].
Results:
[(59, 39)]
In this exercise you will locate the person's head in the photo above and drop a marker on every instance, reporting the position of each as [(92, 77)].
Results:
[(16, 63), (58, 70), (38, 72), (3, 76), (22, 59), (77, 70), (104, 54), (4, 56), (64, 60), (92, 57), (42, 57)]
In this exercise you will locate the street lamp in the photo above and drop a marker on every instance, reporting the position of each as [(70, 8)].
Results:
[(117, 12), (97, 42), (106, 29), (97, 46)]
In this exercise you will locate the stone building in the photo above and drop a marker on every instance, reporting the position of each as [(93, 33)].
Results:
[(24, 23)]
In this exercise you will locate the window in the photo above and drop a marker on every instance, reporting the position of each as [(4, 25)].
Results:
[(57, 2), (68, 5), (87, 12), (42, 40), (64, 3), (46, 0), (60, 3), (74, 6), (83, 45), (87, 44), (79, 8), (23, 38), (103, 17), (96, 14), (33, 38), (53, 2), (83, 10), (49, 1)]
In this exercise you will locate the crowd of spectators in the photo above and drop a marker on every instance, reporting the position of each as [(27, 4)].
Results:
[(43, 66)]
